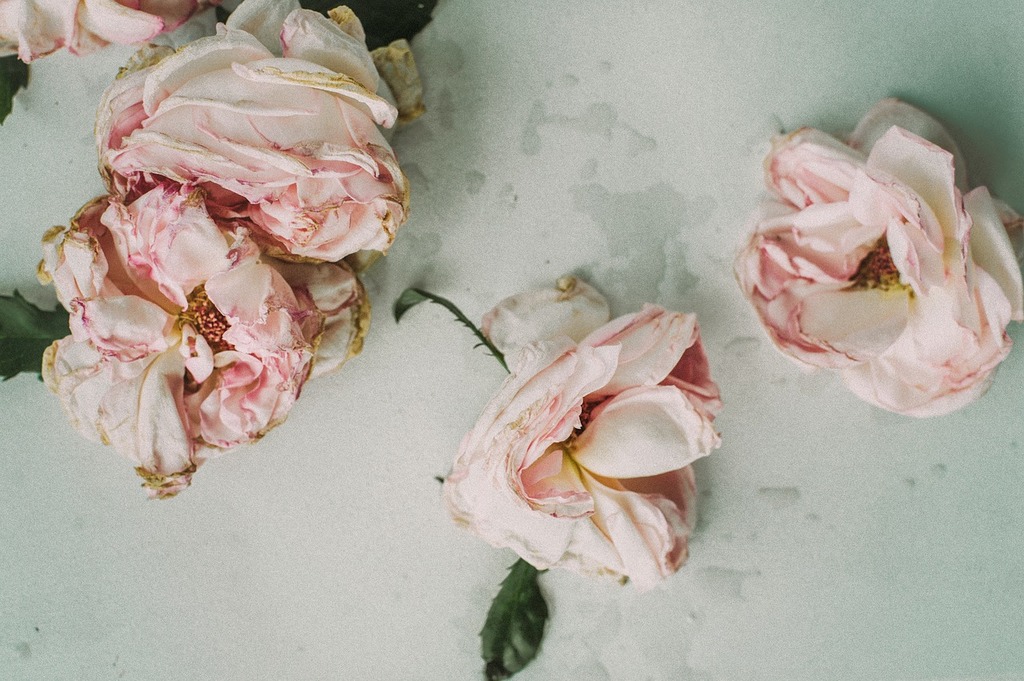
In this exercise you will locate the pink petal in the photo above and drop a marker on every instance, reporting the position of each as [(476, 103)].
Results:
[(651, 343)]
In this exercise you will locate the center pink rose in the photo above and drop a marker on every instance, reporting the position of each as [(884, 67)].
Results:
[(582, 459)]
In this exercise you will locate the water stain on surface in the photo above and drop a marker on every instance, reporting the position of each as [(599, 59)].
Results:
[(418, 180), (445, 57), (742, 346), (474, 182), (508, 197), (445, 109), (589, 169), (779, 497), (724, 581), (647, 261), (599, 119)]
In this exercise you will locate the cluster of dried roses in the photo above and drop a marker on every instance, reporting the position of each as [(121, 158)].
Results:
[(209, 285)]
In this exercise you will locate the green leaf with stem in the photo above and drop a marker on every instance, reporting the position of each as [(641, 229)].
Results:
[(13, 77), (25, 332), (382, 20), (412, 297), (515, 623)]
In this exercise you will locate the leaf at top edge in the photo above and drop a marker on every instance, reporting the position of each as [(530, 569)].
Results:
[(25, 333), (383, 20), (221, 13), (13, 77), (515, 623)]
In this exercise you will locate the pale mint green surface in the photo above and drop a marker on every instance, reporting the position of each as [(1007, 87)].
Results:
[(622, 141)]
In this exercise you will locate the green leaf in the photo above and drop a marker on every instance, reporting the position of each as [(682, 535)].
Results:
[(221, 13), (412, 297), (13, 77), (515, 623), (25, 332), (383, 20)]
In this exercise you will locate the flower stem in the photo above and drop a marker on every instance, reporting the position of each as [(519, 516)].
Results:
[(414, 296)]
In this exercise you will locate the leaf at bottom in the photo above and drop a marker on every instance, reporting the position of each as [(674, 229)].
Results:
[(515, 623)]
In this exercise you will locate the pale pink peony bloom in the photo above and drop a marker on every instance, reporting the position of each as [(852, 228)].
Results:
[(34, 28), (582, 459), (186, 341), (276, 117), (870, 260)]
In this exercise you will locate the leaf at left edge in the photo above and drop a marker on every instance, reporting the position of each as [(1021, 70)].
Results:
[(13, 77), (409, 299), (25, 333), (515, 623)]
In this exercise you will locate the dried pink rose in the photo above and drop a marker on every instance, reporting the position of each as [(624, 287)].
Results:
[(276, 117), (870, 260), (186, 341), (582, 459), (34, 28)]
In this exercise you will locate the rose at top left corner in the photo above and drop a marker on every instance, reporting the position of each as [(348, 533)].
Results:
[(277, 118), (35, 28)]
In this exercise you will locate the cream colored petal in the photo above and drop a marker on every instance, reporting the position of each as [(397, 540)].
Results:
[(263, 19), (314, 38), (858, 323), (296, 72), (893, 112), (925, 168), (991, 248), (144, 419), (127, 326), (571, 308), (199, 57), (643, 432)]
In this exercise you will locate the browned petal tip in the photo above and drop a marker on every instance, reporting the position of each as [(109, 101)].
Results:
[(362, 323), (397, 67), (161, 486), (345, 19)]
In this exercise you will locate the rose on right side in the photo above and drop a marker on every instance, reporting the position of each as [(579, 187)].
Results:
[(869, 259)]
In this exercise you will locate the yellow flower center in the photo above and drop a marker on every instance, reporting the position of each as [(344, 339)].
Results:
[(877, 270), (206, 319)]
